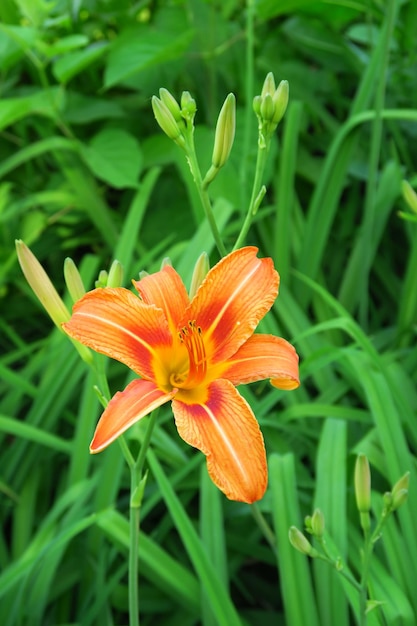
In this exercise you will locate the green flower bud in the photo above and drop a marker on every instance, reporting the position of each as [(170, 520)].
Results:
[(257, 101), (73, 280), (167, 121), (188, 106), (46, 293), (387, 500), (41, 285), (225, 132), (201, 269), (269, 85), (101, 281), (401, 484), (115, 277), (399, 491), (280, 100), (363, 490), (270, 107), (267, 108), (300, 542), (399, 499), (363, 484), (409, 195), (317, 523), (166, 261), (172, 105)]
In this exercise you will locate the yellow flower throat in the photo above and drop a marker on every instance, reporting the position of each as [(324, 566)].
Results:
[(191, 337)]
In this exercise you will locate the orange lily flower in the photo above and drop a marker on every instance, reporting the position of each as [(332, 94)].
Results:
[(194, 353)]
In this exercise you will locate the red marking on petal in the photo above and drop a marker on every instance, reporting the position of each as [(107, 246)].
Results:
[(125, 408), (116, 323), (233, 298), (226, 431)]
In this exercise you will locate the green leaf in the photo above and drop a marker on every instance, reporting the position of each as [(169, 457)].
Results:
[(18, 428), (73, 63), (271, 8), (221, 604), (295, 579), (82, 109), (35, 11), (65, 44), (13, 42), (138, 48), (330, 497), (46, 102), (115, 157)]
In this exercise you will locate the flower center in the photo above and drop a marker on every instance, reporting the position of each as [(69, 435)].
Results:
[(191, 337)]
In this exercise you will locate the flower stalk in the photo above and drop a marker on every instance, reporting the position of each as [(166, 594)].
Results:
[(269, 108), (177, 121), (315, 525), (137, 487)]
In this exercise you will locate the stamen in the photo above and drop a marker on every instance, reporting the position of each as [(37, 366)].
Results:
[(192, 338)]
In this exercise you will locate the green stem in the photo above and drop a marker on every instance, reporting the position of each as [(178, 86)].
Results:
[(326, 556), (126, 452), (363, 594), (249, 90), (133, 552), (350, 579), (370, 540), (136, 489), (146, 441), (264, 526), (202, 192), (256, 190)]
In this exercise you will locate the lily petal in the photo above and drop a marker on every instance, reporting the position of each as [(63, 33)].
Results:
[(226, 431), (233, 298), (166, 290), (116, 323), (264, 356), (125, 408)]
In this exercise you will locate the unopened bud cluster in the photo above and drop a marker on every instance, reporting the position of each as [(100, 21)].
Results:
[(392, 499), (398, 495), (314, 525), (177, 122), (270, 107), (172, 117)]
